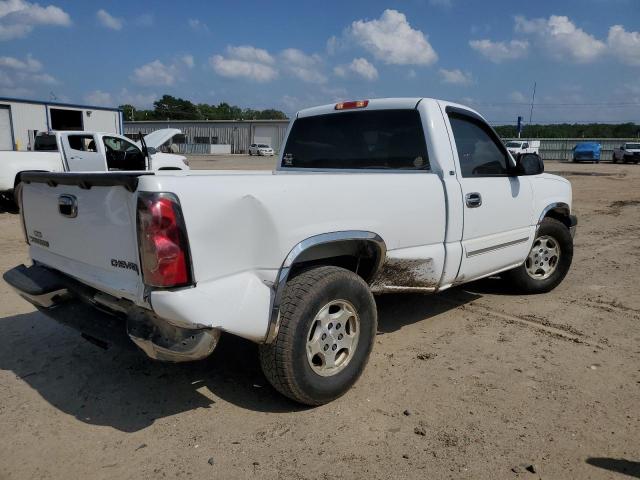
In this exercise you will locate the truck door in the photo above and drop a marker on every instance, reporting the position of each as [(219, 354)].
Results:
[(497, 205), (81, 153), (121, 154)]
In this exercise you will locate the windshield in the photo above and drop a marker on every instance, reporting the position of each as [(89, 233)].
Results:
[(377, 139), (263, 146), (45, 143), (513, 144), (633, 146)]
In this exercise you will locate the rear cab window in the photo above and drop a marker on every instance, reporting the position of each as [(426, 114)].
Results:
[(374, 140)]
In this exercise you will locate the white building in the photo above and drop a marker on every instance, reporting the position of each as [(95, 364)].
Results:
[(20, 120)]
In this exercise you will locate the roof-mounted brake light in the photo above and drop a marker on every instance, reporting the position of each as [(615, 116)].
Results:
[(352, 105)]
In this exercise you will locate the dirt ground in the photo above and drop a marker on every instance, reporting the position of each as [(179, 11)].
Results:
[(472, 383)]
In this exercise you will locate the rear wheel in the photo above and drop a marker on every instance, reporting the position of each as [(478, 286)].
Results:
[(548, 261), (328, 322)]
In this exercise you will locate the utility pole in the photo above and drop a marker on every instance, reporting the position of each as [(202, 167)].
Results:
[(533, 99)]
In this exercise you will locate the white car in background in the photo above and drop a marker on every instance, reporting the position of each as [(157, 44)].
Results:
[(260, 149)]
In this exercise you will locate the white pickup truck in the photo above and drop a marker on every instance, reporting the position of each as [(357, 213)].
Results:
[(388, 195), (628, 152), (520, 147), (77, 151)]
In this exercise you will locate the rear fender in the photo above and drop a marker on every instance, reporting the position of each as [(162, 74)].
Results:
[(318, 250)]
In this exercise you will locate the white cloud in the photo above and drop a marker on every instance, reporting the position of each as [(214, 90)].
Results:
[(517, 97), (358, 66), (155, 73), (5, 80), (99, 98), (109, 21), (624, 45), (245, 62), (560, 37), (107, 99), (188, 61), (250, 54), (499, 52), (333, 44), (363, 68), (29, 64), (43, 78), (197, 26), (455, 77), (18, 18), (16, 71), (392, 40), (305, 67)]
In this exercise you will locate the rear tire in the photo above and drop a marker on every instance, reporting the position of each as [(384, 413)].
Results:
[(328, 322), (552, 236)]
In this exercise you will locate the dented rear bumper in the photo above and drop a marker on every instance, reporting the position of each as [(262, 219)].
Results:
[(105, 319)]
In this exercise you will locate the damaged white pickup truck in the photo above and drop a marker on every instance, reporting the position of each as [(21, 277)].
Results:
[(388, 195)]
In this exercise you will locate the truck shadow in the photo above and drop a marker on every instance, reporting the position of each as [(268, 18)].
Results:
[(123, 389)]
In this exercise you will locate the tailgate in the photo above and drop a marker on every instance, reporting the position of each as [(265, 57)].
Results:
[(84, 225)]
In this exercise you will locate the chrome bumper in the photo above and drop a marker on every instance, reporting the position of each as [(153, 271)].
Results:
[(106, 320)]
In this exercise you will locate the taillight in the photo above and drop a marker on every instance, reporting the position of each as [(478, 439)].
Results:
[(162, 239), (352, 105)]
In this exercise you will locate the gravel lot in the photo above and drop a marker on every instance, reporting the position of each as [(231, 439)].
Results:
[(472, 383)]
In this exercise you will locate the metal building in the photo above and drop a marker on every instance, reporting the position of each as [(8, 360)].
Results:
[(199, 136), (21, 119)]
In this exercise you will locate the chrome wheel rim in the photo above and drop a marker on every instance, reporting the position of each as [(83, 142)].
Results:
[(332, 338), (543, 258)]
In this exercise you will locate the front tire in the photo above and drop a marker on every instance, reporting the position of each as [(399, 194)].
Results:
[(548, 261), (328, 322)]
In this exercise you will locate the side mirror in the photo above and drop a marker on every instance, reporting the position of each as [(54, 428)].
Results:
[(529, 164)]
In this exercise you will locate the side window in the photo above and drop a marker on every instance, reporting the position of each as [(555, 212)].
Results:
[(83, 143), (525, 145), (478, 151), (119, 145)]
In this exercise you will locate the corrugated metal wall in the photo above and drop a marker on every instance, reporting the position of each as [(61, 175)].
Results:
[(237, 134), (561, 148)]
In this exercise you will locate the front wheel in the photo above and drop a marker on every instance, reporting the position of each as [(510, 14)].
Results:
[(328, 322), (548, 261)]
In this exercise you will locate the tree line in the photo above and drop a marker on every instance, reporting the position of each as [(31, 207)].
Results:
[(172, 108), (576, 130)]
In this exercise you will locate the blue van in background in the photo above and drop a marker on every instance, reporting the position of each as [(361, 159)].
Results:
[(587, 152)]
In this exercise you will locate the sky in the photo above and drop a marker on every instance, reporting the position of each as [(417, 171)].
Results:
[(583, 55)]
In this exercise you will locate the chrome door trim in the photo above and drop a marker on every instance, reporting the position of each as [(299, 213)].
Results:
[(499, 246)]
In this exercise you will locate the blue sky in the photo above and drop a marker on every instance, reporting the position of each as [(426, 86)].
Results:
[(583, 54)]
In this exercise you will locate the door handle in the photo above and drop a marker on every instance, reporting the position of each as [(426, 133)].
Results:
[(473, 199)]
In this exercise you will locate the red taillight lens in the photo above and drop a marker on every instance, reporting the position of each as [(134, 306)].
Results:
[(162, 238), (351, 105)]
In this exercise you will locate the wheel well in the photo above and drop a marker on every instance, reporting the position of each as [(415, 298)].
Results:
[(560, 213), (363, 257)]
